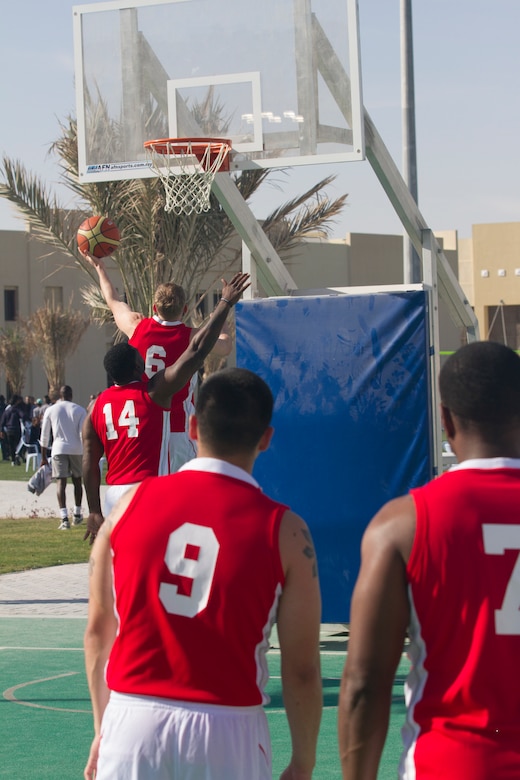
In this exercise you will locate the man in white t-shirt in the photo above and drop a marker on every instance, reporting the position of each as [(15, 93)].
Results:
[(62, 424)]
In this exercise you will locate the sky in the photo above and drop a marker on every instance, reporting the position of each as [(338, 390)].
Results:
[(466, 65)]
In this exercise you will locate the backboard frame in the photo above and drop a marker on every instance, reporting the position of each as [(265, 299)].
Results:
[(343, 91)]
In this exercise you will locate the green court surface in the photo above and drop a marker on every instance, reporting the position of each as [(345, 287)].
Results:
[(47, 720)]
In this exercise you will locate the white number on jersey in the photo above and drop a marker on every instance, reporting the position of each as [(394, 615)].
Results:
[(497, 539), (153, 362), (200, 568), (127, 419)]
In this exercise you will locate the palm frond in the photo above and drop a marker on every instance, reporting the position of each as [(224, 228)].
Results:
[(285, 228), (48, 221), (155, 247)]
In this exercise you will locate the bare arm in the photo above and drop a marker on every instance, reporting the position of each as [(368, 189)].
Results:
[(163, 385), (125, 319), (92, 452), (101, 625), (223, 344), (379, 619), (299, 616), (45, 438)]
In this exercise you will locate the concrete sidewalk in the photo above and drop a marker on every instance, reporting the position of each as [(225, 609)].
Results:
[(17, 501), (59, 591)]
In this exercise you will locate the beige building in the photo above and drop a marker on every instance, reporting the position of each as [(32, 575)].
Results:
[(31, 274), (489, 268), (487, 265)]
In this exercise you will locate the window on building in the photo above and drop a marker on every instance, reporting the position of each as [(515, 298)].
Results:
[(53, 296), (10, 304), (202, 304), (207, 302)]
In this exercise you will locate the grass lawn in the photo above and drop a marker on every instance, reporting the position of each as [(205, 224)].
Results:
[(35, 543), (14, 473)]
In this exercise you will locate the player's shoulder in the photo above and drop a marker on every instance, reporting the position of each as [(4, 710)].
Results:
[(140, 324), (294, 531), (393, 526)]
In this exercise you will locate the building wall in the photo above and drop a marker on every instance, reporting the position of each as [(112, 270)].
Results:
[(375, 259), (33, 268), (363, 259), (318, 262), (496, 280)]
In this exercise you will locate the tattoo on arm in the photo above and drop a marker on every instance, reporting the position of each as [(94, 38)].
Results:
[(308, 551)]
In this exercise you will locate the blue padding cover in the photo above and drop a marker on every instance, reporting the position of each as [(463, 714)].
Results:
[(350, 378)]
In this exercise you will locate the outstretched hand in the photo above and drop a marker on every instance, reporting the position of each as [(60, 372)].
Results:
[(95, 262), (232, 290), (94, 523)]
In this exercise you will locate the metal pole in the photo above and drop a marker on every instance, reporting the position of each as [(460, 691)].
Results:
[(411, 261)]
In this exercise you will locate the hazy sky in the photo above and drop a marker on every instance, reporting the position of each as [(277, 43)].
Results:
[(467, 68)]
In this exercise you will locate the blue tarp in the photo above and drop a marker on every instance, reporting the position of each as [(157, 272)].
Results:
[(350, 378)]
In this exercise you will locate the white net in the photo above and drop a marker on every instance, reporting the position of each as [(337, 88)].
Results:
[(187, 168)]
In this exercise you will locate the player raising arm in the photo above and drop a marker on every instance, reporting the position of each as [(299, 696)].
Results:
[(129, 421), (160, 340)]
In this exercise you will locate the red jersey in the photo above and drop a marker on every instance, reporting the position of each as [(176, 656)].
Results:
[(196, 596), (160, 344), (135, 433), (463, 691)]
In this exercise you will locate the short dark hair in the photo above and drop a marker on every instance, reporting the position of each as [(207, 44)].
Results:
[(234, 408), (120, 361), (480, 383)]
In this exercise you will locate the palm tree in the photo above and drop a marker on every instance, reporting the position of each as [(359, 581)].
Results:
[(55, 333), (16, 350), (156, 246)]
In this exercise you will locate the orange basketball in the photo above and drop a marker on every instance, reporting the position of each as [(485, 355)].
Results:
[(98, 236)]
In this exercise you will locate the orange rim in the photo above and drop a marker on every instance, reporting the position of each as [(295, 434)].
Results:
[(196, 146)]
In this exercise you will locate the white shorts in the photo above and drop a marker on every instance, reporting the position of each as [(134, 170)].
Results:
[(182, 449), (112, 495), (145, 738)]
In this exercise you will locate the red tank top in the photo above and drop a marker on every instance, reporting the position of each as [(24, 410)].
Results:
[(135, 433), (464, 582), (196, 595), (160, 344)]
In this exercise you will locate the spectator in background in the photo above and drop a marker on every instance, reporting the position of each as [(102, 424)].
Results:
[(11, 425), (33, 439), (29, 407), (45, 405), (63, 421), (37, 409), (3, 439)]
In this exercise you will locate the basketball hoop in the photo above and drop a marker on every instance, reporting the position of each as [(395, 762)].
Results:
[(187, 167)]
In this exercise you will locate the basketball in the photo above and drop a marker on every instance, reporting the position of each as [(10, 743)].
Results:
[(98, 236)]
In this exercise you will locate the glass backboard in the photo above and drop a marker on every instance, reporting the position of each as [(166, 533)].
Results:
[(279, 78)]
